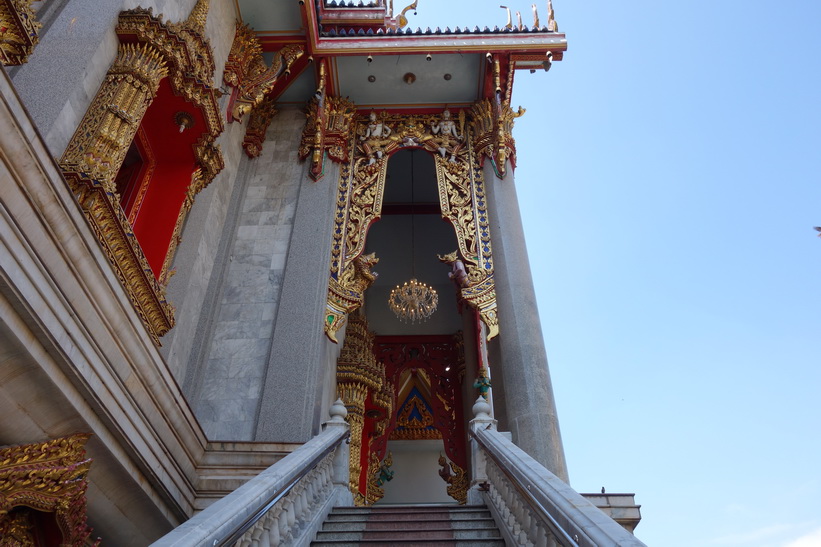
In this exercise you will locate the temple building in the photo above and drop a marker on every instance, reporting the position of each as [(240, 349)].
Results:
[(261, 261)]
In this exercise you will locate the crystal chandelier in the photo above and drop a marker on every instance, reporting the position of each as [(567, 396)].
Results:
[(413, 301)]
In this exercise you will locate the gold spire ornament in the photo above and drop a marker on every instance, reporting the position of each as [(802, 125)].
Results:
[(197, 18)]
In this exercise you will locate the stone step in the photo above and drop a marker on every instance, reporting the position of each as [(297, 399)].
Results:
[(412, 508), (498, 542), (358, 516), (424, 525), (358, 525), (429, 533)]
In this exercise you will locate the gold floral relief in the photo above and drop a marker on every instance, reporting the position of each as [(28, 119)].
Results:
[(327, 130), (18, 31), (49, 477), (150, 50)]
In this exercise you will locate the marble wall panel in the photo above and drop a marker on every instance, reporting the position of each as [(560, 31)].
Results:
[(226, 377)]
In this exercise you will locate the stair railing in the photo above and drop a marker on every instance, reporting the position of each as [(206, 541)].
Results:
[(531, 505), (285, 504)]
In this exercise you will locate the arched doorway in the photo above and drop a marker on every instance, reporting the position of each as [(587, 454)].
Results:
[(423, 440)]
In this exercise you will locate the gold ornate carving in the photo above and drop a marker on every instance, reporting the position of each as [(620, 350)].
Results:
[(456, 478), (346, 294), (245, 70), (260, 79), (402, 20), (409, 427), (197, 18), (354, 395), (461, 199), (379, 472), (18, 31), (190, 62), (360, 378), (17, 529), (100, 143), (48, 477), (245, 50), (258, 123), (493, 130), (110, 225), (552, 25), (328, 128), (150, 50)]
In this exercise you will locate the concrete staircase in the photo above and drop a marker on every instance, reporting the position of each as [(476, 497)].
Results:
[(428, 525)]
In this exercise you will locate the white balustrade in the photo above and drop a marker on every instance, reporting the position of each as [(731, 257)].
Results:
[(530, 504), (283, 505)]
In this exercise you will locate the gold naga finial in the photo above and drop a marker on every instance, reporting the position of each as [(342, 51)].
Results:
[(535, 17), (519, 20), (509, 24), (404, 20), (552, 26), (198, 16)]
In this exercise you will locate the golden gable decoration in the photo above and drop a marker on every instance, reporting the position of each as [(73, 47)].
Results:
[(18, 31), (48, 477), (150, 50)]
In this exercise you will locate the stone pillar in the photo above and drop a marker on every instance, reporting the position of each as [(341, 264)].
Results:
[(518, 353), (292, 399)]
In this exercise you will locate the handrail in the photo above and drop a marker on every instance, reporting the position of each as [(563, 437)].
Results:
[(278, 495), (570, 517), (551, 522), (228, 518)]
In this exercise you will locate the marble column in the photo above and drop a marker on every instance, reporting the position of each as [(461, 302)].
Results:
[(517, 355), (301, 359)]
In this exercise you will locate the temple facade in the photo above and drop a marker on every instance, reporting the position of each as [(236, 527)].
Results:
[(219, 218)]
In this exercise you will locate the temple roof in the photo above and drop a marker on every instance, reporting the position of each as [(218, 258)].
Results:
[(370, 50)]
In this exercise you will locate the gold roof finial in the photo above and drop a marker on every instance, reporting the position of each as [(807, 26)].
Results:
[(404, 20), (197, 18), (509, 24), (535, 18), (552, 26)]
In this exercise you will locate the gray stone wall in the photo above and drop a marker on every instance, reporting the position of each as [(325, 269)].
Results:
[(300, 375), (225, 375), (196, 260)]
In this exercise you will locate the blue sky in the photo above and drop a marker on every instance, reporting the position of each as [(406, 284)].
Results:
[(669, 180)]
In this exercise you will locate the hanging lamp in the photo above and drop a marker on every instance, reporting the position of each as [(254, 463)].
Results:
[(413, 301)]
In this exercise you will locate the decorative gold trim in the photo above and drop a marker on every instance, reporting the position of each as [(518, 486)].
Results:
[(190, 62), (99, 145), (346, 294), (456, 478), (493, 129), (150, 162), (261, 79), (328, 128), (258, 123), (150, 50), (461, 199), (107, 220), (18, 31), (49, 477)]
